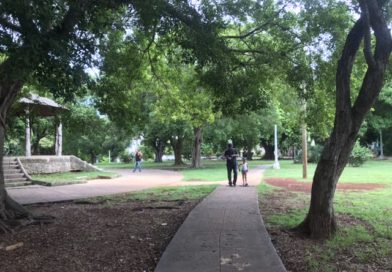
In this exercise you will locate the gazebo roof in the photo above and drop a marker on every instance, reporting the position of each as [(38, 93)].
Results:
[(41, 106)]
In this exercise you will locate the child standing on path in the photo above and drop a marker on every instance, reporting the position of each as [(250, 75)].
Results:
[(244, 171)]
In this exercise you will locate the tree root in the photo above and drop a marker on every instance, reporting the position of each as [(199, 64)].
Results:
[(15, 216)]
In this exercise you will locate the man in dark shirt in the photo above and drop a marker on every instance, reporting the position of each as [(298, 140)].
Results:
[(231, 163)]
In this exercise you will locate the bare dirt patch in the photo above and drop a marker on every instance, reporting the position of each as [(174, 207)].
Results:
[(294, 185), (128, 236)]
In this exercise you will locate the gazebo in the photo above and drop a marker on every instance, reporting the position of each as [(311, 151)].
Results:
[(45, 107)]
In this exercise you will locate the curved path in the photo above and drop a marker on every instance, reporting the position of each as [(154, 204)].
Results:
[(127, 182)]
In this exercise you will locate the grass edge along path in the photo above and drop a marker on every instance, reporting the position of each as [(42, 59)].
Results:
[(365, 222), (65, 178)]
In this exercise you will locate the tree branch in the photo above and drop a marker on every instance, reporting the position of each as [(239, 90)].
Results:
[(256, 29), (367, 50)]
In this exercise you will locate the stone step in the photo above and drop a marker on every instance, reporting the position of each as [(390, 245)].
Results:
[(23, 179), (14, 175), (12, 171), (17, 184), (15, 166)]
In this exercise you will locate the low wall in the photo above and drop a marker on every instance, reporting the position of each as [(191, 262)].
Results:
[(54, 164)]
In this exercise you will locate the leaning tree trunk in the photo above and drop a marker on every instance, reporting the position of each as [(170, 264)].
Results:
[(177, 148), (320, 221), (9, 209), (196, 151)]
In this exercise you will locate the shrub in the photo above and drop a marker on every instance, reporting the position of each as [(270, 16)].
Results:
[(359, 155), (314, 153)]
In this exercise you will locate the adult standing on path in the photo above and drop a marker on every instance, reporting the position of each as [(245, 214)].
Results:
[(138, 161), (231, 163)]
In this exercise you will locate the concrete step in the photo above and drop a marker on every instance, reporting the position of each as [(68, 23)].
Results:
[(6, 164), (14, 175), (11, 167), (23, 179), (11, 171), (17, 184)]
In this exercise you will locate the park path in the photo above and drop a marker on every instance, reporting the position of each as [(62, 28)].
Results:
[(127, 182), (225, 232)]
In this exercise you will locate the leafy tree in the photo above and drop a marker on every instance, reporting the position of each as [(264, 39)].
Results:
[(349, 113), (89, 135), (52, 42)]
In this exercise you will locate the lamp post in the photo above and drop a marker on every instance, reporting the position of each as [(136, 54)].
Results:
[(276, 163)]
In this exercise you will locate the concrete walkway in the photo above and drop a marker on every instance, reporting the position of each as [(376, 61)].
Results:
[(225, 232), (128, 182)]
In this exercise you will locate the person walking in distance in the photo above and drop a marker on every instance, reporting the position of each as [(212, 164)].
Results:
[(231, 164), (138, 161)]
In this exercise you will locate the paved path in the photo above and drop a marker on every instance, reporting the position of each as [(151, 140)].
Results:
[(126, 183), (225, 232)]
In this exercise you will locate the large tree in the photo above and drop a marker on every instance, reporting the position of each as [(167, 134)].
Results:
[(320, 221), (52, 42)]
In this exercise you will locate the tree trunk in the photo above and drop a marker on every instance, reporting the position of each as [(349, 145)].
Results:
[(159, 147), (9, 209), (177, 148), (249, 153), (196, 151), (320, 221), (269, 150), (159, 152)]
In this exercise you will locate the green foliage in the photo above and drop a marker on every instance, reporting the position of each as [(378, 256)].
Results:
[(359, 155), (315, 153), (89, 135)]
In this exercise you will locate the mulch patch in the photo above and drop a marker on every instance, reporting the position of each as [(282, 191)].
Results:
[(128, 236), (305, 187)]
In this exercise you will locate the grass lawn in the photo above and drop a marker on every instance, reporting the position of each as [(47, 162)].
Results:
[(212, 170), (365, 218), (215, 170), (161, 194), (70, 177), (370, 172)]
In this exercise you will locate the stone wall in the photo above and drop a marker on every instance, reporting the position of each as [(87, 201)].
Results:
[(54, 164)]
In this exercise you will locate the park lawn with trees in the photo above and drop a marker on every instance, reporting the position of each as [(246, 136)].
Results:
[(297, 62), (363, 241)]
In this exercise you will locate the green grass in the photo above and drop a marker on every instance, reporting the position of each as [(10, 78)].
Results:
[(211, 170), (162, 194), (214, 170), (370, 238), (70, 177), (370, 172)]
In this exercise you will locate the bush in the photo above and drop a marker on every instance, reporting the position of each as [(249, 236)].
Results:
[(126, 157), (359, 155), (314, 153)]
